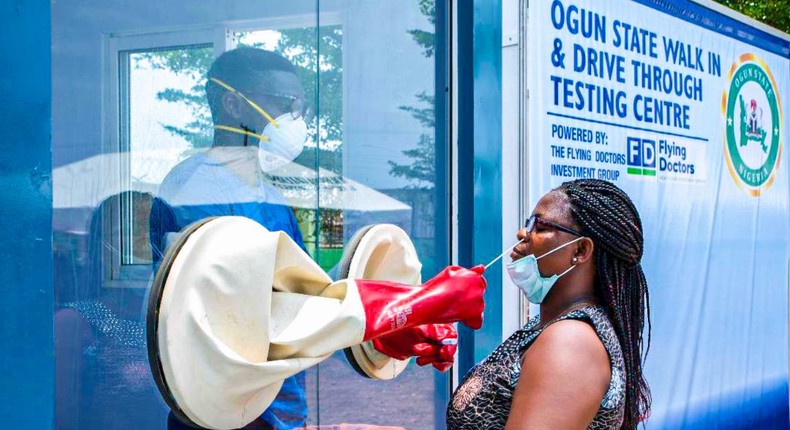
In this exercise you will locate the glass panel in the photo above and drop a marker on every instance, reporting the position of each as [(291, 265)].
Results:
[(114, 142), (144, 144), (321, 226), (167, 118), (378, 92)]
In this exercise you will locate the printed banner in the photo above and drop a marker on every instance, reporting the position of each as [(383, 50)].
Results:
[(688, 119)]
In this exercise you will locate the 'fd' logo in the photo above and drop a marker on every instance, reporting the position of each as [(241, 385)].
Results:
[(641, 156)]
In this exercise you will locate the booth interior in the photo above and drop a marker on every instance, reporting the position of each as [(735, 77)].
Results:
[(130, 117)]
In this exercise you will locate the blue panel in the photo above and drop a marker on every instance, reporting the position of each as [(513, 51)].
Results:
[(488, 161), (442, 187), (479, 163), (466, 164), (755, 407), (26, 334)]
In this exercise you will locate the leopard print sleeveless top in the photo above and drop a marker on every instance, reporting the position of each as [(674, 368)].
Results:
[(483, 399)]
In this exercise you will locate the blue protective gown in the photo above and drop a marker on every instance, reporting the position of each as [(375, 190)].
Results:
[(228, 181)]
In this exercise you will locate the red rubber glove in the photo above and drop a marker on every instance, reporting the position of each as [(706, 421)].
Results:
[(455, 294), (431, 343)]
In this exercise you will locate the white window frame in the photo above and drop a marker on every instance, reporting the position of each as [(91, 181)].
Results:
[(115, 80)]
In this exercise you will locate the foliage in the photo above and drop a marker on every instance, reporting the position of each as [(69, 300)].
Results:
[(424, 38), (422, 169), (191, 63), (775, 13), (421, 172)]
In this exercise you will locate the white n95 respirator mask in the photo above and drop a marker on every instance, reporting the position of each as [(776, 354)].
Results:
[(281, 141)]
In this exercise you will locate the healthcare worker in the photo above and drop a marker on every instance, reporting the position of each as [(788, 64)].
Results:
[(260, 118)]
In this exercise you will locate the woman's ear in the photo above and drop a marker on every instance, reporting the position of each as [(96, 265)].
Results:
[(584, 250)]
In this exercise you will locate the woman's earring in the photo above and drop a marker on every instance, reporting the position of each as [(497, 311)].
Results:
[(575, 260)]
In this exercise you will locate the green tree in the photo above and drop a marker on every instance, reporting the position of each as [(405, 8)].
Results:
[(775, 13), (192, 62), (421, 172), (424, 38)]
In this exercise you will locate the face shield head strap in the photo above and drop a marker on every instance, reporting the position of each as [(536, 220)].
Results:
[(250, 102)]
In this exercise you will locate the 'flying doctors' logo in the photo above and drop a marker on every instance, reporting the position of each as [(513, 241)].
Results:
[(753, 114)]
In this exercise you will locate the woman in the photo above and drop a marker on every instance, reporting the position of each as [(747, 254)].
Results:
[(579, 363)]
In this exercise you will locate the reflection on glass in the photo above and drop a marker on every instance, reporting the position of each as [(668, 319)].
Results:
[(388, 148), (169, 147), (102, 206), (306, 190), (99, 335), (164, 116), (256, 131)]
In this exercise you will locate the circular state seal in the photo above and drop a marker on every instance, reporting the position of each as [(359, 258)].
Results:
[(753, 124)]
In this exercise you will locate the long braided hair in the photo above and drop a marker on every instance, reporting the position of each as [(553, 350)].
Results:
[(607, 215)]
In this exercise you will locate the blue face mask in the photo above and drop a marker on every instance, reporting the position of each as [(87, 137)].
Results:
[(525, 274)]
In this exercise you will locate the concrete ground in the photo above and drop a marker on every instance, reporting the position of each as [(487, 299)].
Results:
[(349, 401)]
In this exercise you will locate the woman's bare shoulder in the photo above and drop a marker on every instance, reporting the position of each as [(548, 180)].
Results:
[(564, 376), (568, 347)]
